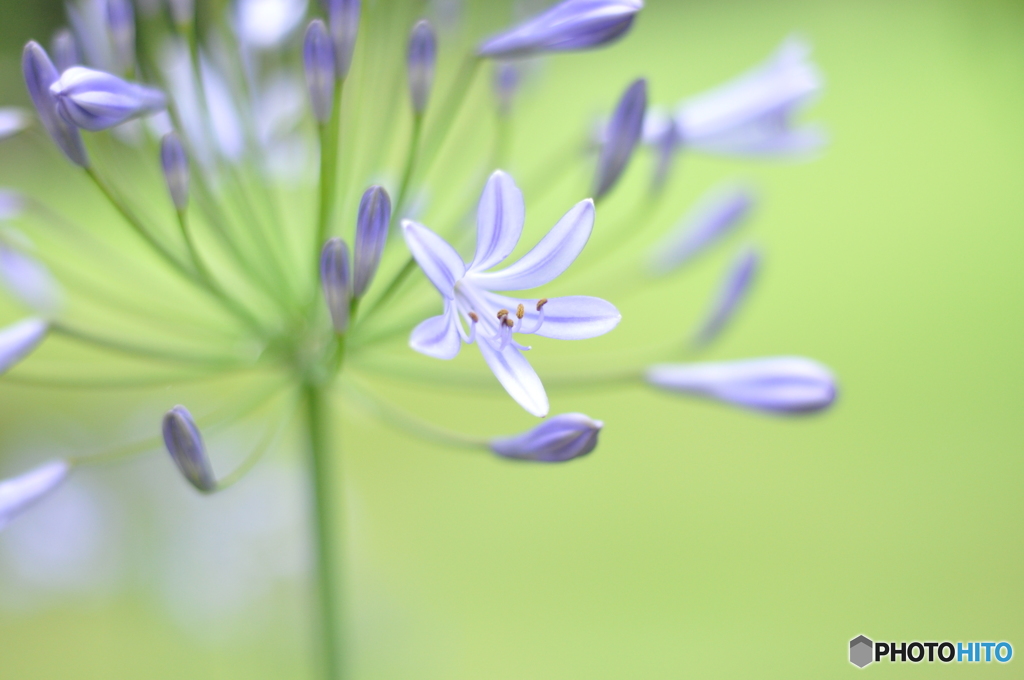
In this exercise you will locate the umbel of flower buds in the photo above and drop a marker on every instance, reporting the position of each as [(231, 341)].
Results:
[(94, 100), (343, 22), (185, 444), (40, 74), (336, 282), (561, 438), (174, 163), (623, 133), (371, 235), (422, 58), (318, 59)]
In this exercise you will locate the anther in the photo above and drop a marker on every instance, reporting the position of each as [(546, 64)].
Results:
[(520, 311), (540, 303), (474, 317), (502, 313), (509, 322)]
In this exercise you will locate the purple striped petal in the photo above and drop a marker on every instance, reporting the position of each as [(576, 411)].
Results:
[(623, 133), (438, 260), (731, 294), (517, 376), (575, 317), (438, 336), (499, 221), (17, 494), (94, 100), (562, 438), (19, 339), (40, 74)]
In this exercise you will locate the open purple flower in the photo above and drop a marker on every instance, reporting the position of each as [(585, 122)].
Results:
[(469, 290)]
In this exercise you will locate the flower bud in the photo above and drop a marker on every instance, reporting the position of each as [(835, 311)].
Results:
[(569, 25), (19, 493), (371, 235), (94, 100), (13, 120), (624, 130), (19, 339), (40, 74), (185, 444), (782, 385), (717, 214), (121, 28), (506, 83), (732, 292), (556, 440), (65, 50), (343, 21), (174, 162), (334, 278), (29, 281), (318, 57), (422, 58)]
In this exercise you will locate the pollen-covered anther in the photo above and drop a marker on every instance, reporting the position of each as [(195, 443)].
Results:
[(502, 313), (474, 317), (540, 303), (520, 311), (508, 322)]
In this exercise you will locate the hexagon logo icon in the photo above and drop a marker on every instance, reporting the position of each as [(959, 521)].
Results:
[(861, 651)]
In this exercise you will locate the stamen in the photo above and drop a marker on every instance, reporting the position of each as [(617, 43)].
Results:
[(540, 318), (474, 317), (540, 303), (502, 313), (472, 328), (508, 322), (520, 311)]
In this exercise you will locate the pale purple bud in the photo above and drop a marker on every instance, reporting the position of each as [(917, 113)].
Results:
[(17, 494), (29, 281), (174, 162), (182, 12), (185, 444), (422, 58), (556, 440), (65, 50), (12, 204), (121, 28), (343, 21), (371, 235), (336, 282), (717, 214), (94, 100), (731, 294), (624, 130), (569, 25), (318, 57), (506, 83), (19, 339), (40, 74), (783, 385), (13, 120)]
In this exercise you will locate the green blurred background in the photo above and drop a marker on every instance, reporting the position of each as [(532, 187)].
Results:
[(698, 541)]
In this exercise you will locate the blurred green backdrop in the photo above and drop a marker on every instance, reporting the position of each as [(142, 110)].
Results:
[(697, 541)]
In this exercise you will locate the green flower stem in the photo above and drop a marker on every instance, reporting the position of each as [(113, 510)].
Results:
[(327, 534), (329, 139), (144, 351)]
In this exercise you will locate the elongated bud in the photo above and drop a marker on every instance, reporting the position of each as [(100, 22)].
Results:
[(12, 204), (65, 50), (624, 131), (556, 440), (336, 282), (782, 385), (19, 339), (174, 162), (506, 83), (17, 494), (371, 235), (29, 281), (422, 59), (13, 120), (718, 213), (94, 100), (40, 74), (121, 27), (343, 21), (569, 25), (182, 12), (318, 57), (731, 294), (185, 444)]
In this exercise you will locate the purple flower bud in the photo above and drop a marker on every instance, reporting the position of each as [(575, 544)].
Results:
[(65, 50), (717, 214), (731, 294), (29, 281), (94, 100), (336, 282), (556, 440), (569, 25), (174, 162), (121, 27), (17, 494), (784, 385), (624, 132), (13, 120), (18, 340), (318, 57), (12, 204), (422, 58), (343, 21), (40, 74), (371, 235), (185, 444), (506, 83)]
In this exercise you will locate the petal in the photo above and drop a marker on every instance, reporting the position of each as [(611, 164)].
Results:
[(19, 339), (19, 493), (438, 260), (549, 258), (575, 317), (13, 121), (499, 221), (517, 376), (438, 336)]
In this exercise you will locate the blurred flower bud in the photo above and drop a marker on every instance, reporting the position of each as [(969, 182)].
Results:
[(185, 444), (422, 58), (371, 235), (19, 339), (783, 385), (717, 214), (318, 57), (343, 21), (506, 83), (556, 440), (94, 100), (183, 12), (13, 120), (40, 74), (731, 293), (624, 130), (65, 50), (174, 162), (336, 283), (12, 204), (121, 28), (29, 281), (19, 493)]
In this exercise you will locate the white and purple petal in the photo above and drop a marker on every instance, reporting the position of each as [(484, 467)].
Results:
[(438, 336), (499, 221), (574, 317), (19, 493), (517, 376), (19, 339), (716, 215), (438, 260)]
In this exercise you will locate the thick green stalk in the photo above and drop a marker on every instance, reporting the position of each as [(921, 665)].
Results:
[(329, 138)]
